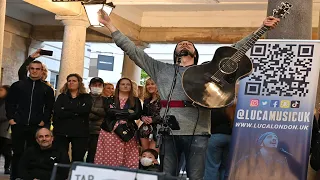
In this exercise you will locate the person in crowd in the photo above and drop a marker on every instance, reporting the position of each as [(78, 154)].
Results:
[(117, 143), (150, 112), (148, 160), (135, 89), (96, 115), (218, 145), (141, 92), (5, 136), (23, 70), (194, 122), (108, 90), (70, 117), (37, 162), (28, 106)]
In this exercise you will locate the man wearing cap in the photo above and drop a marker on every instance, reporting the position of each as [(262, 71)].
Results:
[(266, 162), (96, 115), (192, 138)]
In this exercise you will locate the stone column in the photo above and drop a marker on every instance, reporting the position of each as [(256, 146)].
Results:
[(2, 22), (297, 24), (73, 47), (130, 69)]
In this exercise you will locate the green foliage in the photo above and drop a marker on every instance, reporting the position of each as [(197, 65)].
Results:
[(144, 77)]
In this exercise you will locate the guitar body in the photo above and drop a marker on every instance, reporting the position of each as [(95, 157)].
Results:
[(212, 85)]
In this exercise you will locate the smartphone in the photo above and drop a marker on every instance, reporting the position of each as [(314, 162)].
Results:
[(46, 52)]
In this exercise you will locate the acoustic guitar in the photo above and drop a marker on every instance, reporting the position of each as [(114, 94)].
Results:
[(212, 85)]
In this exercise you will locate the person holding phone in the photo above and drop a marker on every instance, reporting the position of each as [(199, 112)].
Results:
[(23, 72), (28, 107)]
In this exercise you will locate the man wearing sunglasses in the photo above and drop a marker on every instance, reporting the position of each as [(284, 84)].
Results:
[(28, 106)]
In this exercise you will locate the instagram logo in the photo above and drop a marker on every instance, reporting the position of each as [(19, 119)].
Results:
[(254, 102)]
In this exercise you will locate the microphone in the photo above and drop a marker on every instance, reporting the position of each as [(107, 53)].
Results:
[(183, 53), (286, 152)]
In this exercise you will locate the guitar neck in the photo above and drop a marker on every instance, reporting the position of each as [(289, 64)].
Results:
[(242, 51)]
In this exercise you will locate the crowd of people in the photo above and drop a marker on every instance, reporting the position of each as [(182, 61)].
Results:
[(92, 124), (112, 127)]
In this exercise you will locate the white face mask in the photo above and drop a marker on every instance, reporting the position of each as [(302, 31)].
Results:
[(96, 90), (146, 161)]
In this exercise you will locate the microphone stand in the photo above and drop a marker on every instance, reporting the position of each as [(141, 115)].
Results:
[(164, 127)]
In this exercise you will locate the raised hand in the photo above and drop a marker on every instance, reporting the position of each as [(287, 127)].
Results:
[(271, 22), (103, 17), (36, 54)]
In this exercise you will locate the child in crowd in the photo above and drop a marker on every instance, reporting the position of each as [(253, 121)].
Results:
[(148, 160)]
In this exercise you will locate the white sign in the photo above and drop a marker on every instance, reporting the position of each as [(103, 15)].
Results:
[(97, 173)]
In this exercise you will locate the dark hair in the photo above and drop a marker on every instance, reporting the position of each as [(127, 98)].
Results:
[(152, 151), (131, 95), (5, 87)]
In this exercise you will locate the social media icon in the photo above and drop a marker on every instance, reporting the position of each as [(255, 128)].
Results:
[(285, 104), (264, 102), (274, 103), (254, 102), (295, 104)]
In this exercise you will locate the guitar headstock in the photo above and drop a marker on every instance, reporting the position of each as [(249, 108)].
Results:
[(282, 10)]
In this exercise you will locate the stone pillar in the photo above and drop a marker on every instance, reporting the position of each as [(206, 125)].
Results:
[(73, 47), (297, 24), (2, 22), (130, 69)]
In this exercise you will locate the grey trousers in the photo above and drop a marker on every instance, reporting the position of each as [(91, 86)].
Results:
[(195, 155)]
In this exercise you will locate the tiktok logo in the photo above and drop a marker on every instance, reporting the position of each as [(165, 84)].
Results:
[(295, 104)]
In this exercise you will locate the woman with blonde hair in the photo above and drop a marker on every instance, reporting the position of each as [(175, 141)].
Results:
[(108, 90), (70, 117), (117, 145), (150, 115)]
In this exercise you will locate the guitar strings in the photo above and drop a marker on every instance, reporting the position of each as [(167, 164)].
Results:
[(236, 57)]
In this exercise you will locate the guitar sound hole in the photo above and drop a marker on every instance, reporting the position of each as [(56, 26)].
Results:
[(227, 66)]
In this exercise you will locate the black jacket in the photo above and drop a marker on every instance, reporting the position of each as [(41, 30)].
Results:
[(23, 72), (220, 122), (97, 114), (115, 114), (38, 164), (30, 102), (4, 123), (153, 168), (70, 117)]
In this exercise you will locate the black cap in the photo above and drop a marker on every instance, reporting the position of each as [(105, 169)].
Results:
[(96, 79)]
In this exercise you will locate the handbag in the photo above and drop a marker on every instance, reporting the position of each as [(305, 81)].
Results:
[(125, 132)]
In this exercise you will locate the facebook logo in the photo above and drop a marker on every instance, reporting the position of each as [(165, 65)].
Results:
[(274, 103)]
